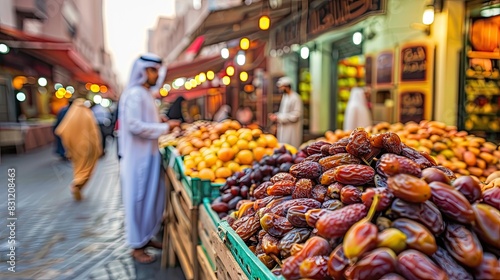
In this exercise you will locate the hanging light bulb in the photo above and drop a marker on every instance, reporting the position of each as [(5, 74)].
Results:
[(244, 43), (304, 52), (224, 53), (428, 16), (243, 76), (240, 58), (264, 22), (230, 71), (226, 80)]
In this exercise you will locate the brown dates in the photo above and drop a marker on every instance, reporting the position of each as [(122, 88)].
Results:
[(414, 265), (392, 164), (306, 169), (452, 203), (409, 188), (350, 174)]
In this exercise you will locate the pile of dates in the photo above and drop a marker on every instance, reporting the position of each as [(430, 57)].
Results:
[(240, 185), (370, 207)]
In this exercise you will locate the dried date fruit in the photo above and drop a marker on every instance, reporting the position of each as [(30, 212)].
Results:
[(392, 276), (386, 197), (330, 162), (350, 174), (359, 143), (332, 204), (492, 197), (303, 189), (373, 265), (283, 207), (314, 246), (282, 176), (452, 203), (451, 175), (270, 244), (337, 223), (463, 245), (469, 187), (425, 213), (319, 193), (325, 149), (339, 147), (262, 202), (220, 207), (314, 158), (334, 189), (281, 188), (337, 263), (391, 143), (414, 265), (296, 248), (383, 223), (274, 203), (418, 237), (306, 169), (392, 238), (296, 235), (296, 215), (377, 140), (315, 148), (487, 223), (450, 266), (350, 195), (380, 181), (392, 164), (261, 190), (275, 225), (313, 215), (488, 269), (409, 188), (267, 260), (249, 227), (422, 159), (433, 174), (246, 209), (314, 268)]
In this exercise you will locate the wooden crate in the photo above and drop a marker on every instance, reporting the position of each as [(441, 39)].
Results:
[(227, 267), (206, 271), (207, 225)]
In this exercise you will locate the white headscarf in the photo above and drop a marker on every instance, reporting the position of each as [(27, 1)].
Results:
[(138, 74), (222, 113), (357, 113)]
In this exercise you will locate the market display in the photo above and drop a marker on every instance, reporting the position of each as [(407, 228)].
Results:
[(459, 151), (370, 206)]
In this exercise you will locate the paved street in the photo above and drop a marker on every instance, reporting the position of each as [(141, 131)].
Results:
[(58, 238)]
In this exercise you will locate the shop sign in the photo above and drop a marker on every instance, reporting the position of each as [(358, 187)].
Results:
[(414, 63), (411, 106), (327, 15), (368, 70), (288, 33), (384, 68)]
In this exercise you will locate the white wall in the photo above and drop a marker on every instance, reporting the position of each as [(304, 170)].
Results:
[(7, 15)]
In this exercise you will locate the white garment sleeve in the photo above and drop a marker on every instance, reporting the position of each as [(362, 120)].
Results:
[(292, 116), (138, 127)]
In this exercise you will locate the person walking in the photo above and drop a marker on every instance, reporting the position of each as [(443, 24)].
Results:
[(82, 140), (357, 113), (103, 117), (289, 117), (177, 110), (143, 187), (60, 151)]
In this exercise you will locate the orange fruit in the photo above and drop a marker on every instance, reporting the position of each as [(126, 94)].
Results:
[(232, 139), (207, 174), (256, 133), (258, 153), (225, 154), (242, 144), (210, 160), (245, 157), (261, 142), (233, 166), (235, 125), (223, 172), (272, 142)]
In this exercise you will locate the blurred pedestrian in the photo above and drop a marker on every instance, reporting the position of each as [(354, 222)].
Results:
[(244, 115), (104, 120), (289, 117), (58, 143), (82, 140), (222, 113), (143, 187), (177, 109), (357, 114)]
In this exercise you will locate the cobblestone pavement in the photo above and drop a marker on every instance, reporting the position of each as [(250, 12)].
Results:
[(58, 238)]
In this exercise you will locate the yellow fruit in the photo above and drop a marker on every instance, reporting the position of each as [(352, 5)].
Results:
[(217, 143), (188, 172), (258, 153), (225, 154), (261, 142), (252, 145), (243, 167), (232, 139), (197, 160), (242, 144), (291, 148), (201, 165), (195, 174), (226, 145), (210, 160), (272, 142), (186, 150), (245, 157), (235, 125), (207, 174), (223, 172), (233, 166), (256, 132), (188, 164), (247, 135), (219, 180)]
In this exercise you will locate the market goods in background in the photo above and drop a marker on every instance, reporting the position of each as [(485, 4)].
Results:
[(459, 151), (382, 212)]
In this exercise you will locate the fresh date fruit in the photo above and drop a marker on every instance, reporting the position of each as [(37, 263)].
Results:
[(306, 169), (350, 174), (330, 162), (488, 269), (373, 265), (337, 263), (392, 164), (275, 225), (454, 270), (414, 265), (314, 246), (220, 207), (463, 245), (392, 238), (303, 188), (492, 197), (469, 187), (425, 213), (452, 203), (282, 176), (418, 237), (337, 223), (487, 223), (433, 174), (409, 188), (314, 268), (295, 236)]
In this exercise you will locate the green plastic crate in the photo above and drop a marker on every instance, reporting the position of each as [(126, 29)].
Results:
[(168, 154), (213, 215), (253, 268), (196, 188)]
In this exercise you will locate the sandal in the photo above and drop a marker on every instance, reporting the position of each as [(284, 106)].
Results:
[(140, 256), (77, 194)]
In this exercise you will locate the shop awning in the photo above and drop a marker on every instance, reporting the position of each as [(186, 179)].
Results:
[(52, 51), (192, 94), (193, 68), (228, 24)]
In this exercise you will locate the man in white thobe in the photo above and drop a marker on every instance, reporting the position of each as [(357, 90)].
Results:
[(289, 117), (143, 187)]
